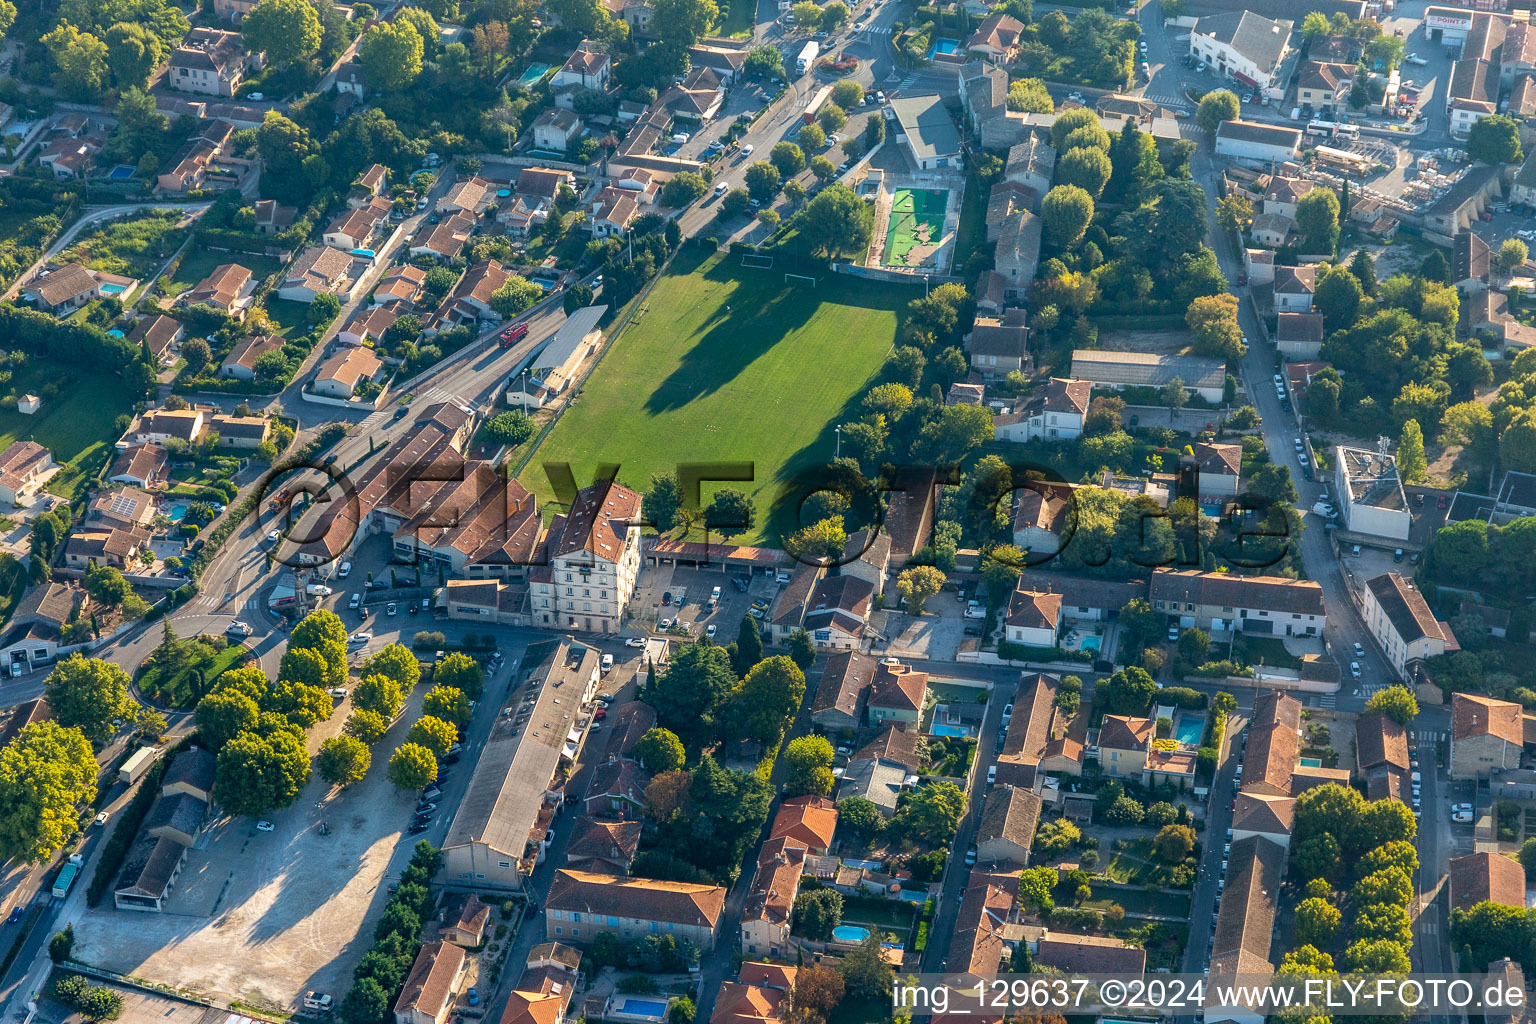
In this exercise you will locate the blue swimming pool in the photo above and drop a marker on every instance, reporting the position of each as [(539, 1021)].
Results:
[(850, 933), (122, 172), (944, 46), (951, 731), (531, 77), (1189, 730), (177, 512), (643, 1007), (1311, 762), (1092, 643), (113, 288)]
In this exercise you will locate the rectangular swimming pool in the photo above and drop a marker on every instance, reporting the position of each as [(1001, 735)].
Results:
[(949, 731), (945, 46), (1189, 730), (1311, 762), (643, 1007)]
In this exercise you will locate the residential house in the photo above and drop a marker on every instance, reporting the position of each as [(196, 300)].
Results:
[(367, 324), (66, 289), (465, 920), (240, 364), (355, 226), (369, 185), (845, 680), (927, 132), (867, 555), (401, 287), (243, 433), (1033, 618), (895, 745), (118, 548), (580, 904), (1007, 829), (1123, 745), (980, 940), (1265, 815), (769, 908), (1041, 737), (33, 639), (1040, 516), (1032, 163), (838, 612), (164, 424), (432, 986), (1471, 94), (446, 239), (210, 61), (1381, 753), (997, 38), (68, 157), (878, 781), (586, 68), (1274, 741), (807, 821), (1084, 599), (540, 185), (1221, 468), (1370, 494), (470, 301), (228, 288), (1253, 604), (469, 196), (1245, 925), (1486, 877), (1400, 620), (319, 269), (696, 99), (1323, 83), (1487, 735), (1055, 412), (273, 218), (1117, 370), (498, 834), (1294, 287), (1018, 253), (603, 847), (121, 508), (161, 335), (1299, 336), (761, 995), (342, 374), (613, 211), (897, 694), (146, 466), (1282, 193), (25, 466), (1272, 229), (555, 130)]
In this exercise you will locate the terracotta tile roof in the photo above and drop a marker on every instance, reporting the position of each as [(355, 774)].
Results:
[(1270, 593), (810, 820), (1405, 607), (775, 884), (1219, 459), (1380, 740), (1090, 954), (183, 423), (625, 727), (158, 332), (1272, 744), (318, 269), (222, 287), (64, 284), (350, 366), (1258, 812), (644, 899), (1486, 877), (898, 687), (1119, 732), (844, 680), (1039, 729), (466, 912), (429, 986), (896, 744), (599, 521), (1247, 915), (613, 841), (403, 284), (1473, 715), (1012, 813), (372, 321), (1029, 609), (543, 182), (841, 601), (978, 944), (248, 350), (143, 462)]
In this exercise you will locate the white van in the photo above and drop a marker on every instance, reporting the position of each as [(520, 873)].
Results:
[(991, 774), (607, 662)]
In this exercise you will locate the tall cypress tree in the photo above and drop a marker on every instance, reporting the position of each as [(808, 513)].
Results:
[(749, 646)]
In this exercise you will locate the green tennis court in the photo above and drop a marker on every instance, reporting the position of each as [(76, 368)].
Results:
[(917, 222)]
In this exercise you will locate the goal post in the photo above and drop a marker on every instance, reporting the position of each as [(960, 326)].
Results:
[(800, 277), (757, 262)]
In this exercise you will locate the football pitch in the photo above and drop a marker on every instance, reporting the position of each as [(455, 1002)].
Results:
[(728, 364)]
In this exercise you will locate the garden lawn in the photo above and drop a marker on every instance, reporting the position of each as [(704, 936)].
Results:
[(1271, 649), (77, 425), (290, 318), (177, 690), (196, 264), (728, 364)]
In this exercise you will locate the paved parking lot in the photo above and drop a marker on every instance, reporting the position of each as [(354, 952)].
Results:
[(690, 588), (264, 916)]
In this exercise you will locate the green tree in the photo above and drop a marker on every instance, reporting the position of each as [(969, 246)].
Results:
[(787, 158), (817, 913), (1316, 921), (862, 815), (132, 53), (45, 773), (395, 661), (510, 428), (1216, 106), (1317, 218), (809, 763), (1070, 121), (683, 189), (1029, 95), (1396, 702), (1337, 295), (833, 17), (749, 646), (801, 650), (811, 138), (81, 62), (659, 750), (285, 30), (1410, 454), (769, 696), (302, 665), (847, 94), (434, 734), (1128, 692), (89, 694), (693, 690), (1528, 857), (365, 725), (837, 221), (917, 584), (683, 21), (763, 62), (1087, 167), (448, 703), (1195, 645), (730, 512), (1066, 211), (662, 502), (323, 632), (762, 180), (1495, 140), (866, 975), (1364, 268), (379, 694), (391, 55), (343, 760), (1234, 212), (462, 672), (932, 814), (1173, 843), (516, 295), (222, 716), (1513, 254), (259, 773), (412, 766)]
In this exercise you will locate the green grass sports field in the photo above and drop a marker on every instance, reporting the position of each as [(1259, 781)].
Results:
[(728, 364), (917, 218)]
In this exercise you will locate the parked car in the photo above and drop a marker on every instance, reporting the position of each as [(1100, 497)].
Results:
[(390, 608), (265, 826), (634, 641), (1359, 649), (1354, 669)]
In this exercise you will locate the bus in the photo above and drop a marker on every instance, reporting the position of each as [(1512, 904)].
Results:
[(1332, 130)]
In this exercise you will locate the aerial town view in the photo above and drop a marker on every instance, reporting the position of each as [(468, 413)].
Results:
[(767, 511)]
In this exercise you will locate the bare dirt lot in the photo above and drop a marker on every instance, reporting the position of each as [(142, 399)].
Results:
[(1161, 342), (264, 916)]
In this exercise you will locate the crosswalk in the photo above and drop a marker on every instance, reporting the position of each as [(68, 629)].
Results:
[(1429, 739), (876, 30), (1327, 700), (1167, 99), (437, 394)]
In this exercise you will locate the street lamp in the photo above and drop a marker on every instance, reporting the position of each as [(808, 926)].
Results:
[(838, 452)]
